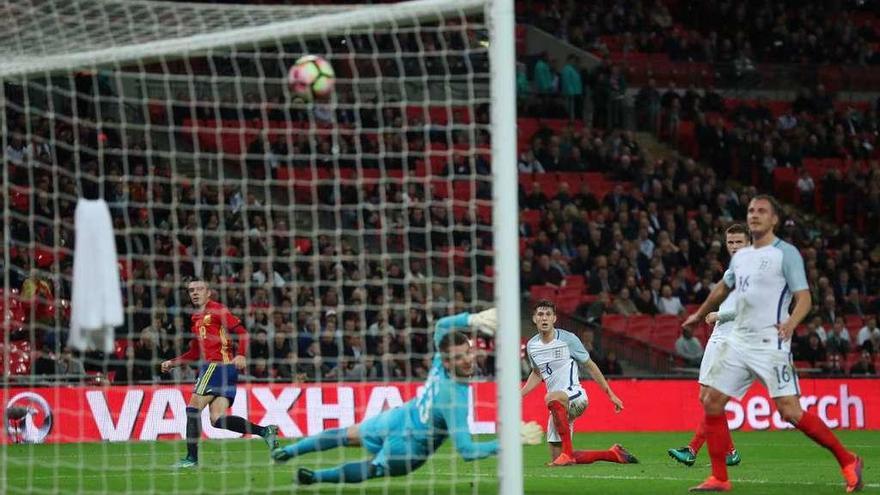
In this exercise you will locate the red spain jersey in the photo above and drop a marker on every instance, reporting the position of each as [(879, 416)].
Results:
[(212, 340)]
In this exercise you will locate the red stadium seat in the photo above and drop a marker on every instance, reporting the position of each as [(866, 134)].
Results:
[(640, 327), (615, 323), (537, 292), (567, 303), (576, 281), (785, 182), (533, 219)]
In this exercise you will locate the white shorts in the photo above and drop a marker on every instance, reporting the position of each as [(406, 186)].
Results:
[(733, 370), (577, 404), (709, 357)]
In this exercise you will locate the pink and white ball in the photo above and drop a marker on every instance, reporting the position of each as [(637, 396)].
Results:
[(311, 77)]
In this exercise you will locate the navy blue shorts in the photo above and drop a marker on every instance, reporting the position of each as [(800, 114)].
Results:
[(217, 379)]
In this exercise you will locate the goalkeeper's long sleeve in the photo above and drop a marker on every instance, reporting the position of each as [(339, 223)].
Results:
[(447, 324), (455, 413)]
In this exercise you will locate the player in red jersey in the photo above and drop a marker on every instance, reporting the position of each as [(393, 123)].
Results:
[(213, 345)]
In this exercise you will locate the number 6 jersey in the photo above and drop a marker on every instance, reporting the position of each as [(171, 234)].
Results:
[(557, 361)]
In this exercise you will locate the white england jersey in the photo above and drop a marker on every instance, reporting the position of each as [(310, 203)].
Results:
[(557, 361), (764, 280)]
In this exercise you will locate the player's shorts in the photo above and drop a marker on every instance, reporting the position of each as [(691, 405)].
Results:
[(395, 453), (577, 404), (217, 379), (734, 369), (709, 357)]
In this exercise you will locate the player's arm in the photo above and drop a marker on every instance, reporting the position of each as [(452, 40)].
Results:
[(455, 414), (580, 354), (721, 317), (803, 302), (190, 355), (597, 376), (796, 279), (531, 383), (716, 297)]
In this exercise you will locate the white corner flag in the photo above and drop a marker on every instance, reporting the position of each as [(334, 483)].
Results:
[(96, 304)]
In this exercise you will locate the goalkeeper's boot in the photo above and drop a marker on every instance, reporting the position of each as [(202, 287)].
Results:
[(733, 458), (186, 463), (623, 456), (712, 484), (305, 477), (563, 460), (270, 436), (281, 455), (683, 455), (852, 473)]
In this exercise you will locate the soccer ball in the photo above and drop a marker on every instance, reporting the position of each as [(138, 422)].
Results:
[(311, 77)]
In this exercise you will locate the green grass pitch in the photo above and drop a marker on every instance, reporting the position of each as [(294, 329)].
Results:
[(773, 463)]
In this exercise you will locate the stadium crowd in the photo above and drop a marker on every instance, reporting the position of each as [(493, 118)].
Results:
[(790, 32)]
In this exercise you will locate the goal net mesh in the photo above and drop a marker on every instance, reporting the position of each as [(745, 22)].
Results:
[(338, 231)]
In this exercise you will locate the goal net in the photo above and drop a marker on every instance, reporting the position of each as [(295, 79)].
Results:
[(338, 231)]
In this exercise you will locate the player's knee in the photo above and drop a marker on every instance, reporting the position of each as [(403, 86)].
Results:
[(553, 396), (712, 403)]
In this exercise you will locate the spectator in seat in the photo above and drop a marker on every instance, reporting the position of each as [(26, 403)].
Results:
[(814, 352), (281, 354), (645, 302), (689, 348), (610, 365), (834, 365), (853, 304), (669, 304), (536, 199), (593, 312), (617, 198), (815, 326), (828, 311), (623, 305), (581, 263), (67, 364), (42, 363), (868, 337), (143, 357), (585, 199), (528, 164), (259, 349), (807, 187), (547, 274), (259, 369), (864, 366), (838, 341)]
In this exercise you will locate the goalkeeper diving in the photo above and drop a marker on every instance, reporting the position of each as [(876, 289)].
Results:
[(400, 440)]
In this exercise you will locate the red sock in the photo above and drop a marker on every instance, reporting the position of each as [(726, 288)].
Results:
[(699, 437), (814, 428), (591, 456), (718, 442), (560, 421)]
